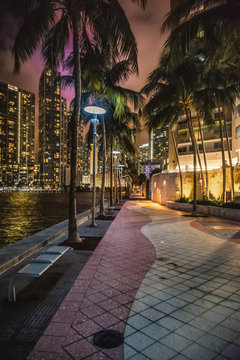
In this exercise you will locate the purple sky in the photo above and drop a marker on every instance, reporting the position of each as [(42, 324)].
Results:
[(145, 25)]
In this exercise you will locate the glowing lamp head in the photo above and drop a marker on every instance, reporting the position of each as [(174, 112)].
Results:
[(95, 110)]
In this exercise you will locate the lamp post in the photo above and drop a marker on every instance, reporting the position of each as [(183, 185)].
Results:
[(115, 155), (94, 110), (121, 166)]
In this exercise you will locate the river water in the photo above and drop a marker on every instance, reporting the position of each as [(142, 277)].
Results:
[(23, 213)]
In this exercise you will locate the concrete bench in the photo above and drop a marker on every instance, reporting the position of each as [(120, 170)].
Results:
[(36, 267)]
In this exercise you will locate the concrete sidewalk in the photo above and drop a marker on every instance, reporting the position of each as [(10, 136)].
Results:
[(173, 289)]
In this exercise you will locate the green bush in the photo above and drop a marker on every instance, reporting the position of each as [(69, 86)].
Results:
[(183, 200)]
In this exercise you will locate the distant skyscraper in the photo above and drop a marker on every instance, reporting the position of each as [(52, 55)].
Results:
[(17, 122), (49, 127), (160, 147), (64, 120), (143, 156)]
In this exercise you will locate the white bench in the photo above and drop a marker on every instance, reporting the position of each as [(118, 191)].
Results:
[(36, 267)]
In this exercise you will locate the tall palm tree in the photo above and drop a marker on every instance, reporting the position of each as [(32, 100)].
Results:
[(222, 85), (51, 23), (102, 83), (173, 90)]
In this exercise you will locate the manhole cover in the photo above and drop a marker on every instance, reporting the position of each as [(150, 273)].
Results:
[(107, 339)]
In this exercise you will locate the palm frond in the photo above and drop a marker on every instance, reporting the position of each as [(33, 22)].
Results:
[(32, 30), (53, 48)]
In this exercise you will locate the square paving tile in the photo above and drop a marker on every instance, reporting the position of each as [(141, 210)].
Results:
[(224, 333), (156, 350), (106, 320), (213, 343), (152, 314), (87, 328), (190, 332), (139, 341), (129, 330), (232, 352), (138, 322), (155, 331), (170, 323), (165, 307), (197, 352), (182, 315), (81, 349), (161, 295), (150, 300), (92, 311), (175, 342), (128, 352), (139, 306), (202, 323)]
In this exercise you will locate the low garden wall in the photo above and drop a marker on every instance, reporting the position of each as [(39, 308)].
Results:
[(217, 211)]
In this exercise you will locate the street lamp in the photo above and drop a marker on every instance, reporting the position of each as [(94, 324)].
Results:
[(115, 155), (94, 110), (121, 166)]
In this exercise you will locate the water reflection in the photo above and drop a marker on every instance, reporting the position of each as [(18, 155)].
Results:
[(23, 214)]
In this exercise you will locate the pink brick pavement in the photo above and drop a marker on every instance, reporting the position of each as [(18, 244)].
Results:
[(102, 294)]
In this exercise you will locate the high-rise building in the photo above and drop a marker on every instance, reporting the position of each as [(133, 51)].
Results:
[(17, 123), (212, 141), (80, 145), (49, 128), (160, 147), (64, 121), (143, 156)]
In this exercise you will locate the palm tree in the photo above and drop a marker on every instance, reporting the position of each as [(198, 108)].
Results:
[(210, 29), (173, 91), (222, 86), (215, 20), (101, 84), (51, 23), (178, 161)]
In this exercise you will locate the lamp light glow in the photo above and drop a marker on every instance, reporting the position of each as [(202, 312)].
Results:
[(96, 110)]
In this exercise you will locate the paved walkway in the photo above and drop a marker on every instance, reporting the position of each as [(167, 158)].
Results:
[(173, 290)]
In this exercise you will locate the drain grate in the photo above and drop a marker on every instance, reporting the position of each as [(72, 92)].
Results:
[(107, 339)]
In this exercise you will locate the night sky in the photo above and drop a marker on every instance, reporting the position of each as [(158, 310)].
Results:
[(145, 25)]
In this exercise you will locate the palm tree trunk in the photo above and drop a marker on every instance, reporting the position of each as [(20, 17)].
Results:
[(229, 157), (201, 170), (204, 155), (178, 161), (72, 228), (194, 145), (102, 210), (223, 156), (111, 174)]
